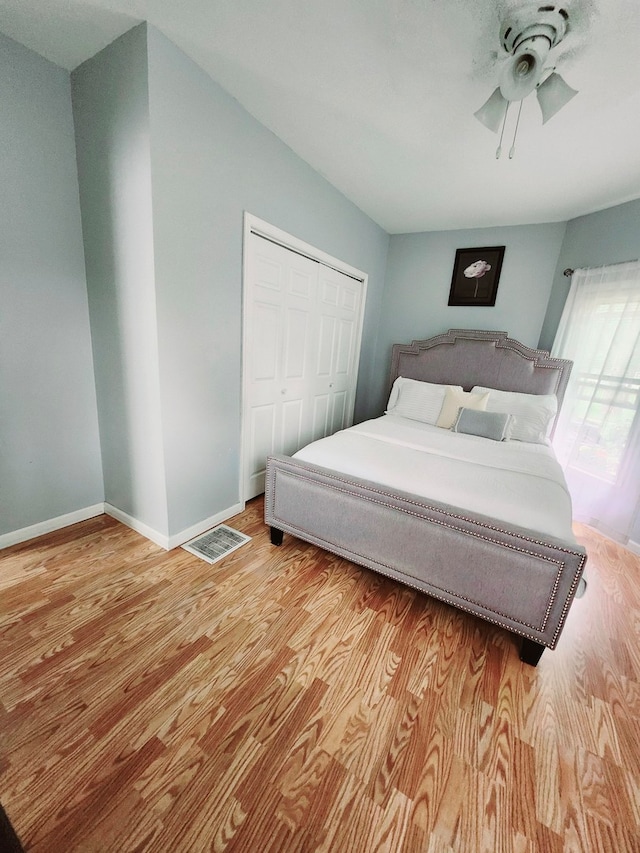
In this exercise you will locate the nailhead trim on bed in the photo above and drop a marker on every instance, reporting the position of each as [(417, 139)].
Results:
[(327, 475), (443, 523), (426, 506), (538, 358)]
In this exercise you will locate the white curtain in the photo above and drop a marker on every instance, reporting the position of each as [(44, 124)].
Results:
[(598, 435)]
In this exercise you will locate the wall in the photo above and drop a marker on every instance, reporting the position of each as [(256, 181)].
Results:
[(165, 153), (111, 111), (418, 279), (167, 164), (606, 237), (211, 161), (49, 444)]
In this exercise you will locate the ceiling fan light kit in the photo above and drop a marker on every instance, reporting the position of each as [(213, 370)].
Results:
[(553, 93), (491, 113), (528, 34), (523, 70)]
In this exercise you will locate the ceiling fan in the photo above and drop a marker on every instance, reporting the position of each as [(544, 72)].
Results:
[(528, 35)]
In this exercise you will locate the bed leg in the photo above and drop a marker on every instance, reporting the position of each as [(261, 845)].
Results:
[(276, 536), (531, 652)]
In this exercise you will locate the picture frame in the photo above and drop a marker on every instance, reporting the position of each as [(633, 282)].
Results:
[(476, 273)]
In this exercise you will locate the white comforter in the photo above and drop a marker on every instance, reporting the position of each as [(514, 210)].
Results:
[(512, 481)]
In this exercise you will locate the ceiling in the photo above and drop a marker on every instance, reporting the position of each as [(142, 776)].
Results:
[(378, 96)]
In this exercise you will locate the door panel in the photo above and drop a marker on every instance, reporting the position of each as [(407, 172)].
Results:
[(350, 298), (301, 330), (292, 427), (267, 274), (338, 311), (326, 335), (279, 325), (302, 282), (261, 443), (264, 364), (320, 426), (344, 348), (330, 292), (339, 411), (296, 343)]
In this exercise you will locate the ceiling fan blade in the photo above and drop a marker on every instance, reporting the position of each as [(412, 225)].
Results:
[(491, 113), (553, 93)]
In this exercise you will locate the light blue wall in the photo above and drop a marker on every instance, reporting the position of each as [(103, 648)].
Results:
[(418, 280), (111, 111), (606, 237), (168, 163), (211, 161), (49, 445)]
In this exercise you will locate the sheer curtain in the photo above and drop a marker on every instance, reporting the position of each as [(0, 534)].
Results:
[(598, 435)]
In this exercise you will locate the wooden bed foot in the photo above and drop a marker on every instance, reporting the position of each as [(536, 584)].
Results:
[(276, 536), (531, 652)]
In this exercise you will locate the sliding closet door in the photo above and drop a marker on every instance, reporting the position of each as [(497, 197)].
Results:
[(279, 341), (301, 340), (334, 381)]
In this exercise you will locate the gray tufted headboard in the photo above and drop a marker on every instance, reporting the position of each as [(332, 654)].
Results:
[(468, 357)]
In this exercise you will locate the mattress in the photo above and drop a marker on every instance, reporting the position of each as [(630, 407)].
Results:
[(511, 481)]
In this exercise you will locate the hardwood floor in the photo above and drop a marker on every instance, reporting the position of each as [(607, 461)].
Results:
[(286, 700)]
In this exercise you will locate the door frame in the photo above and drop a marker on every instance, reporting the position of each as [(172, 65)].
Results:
[(254, 225)]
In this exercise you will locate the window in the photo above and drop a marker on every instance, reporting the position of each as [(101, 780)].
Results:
[(598, 437)]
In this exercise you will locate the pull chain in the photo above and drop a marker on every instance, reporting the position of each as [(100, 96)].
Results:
[(504, 121), (512, 150)]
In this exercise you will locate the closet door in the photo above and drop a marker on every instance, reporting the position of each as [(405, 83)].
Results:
[(301, 339), (334, 381), (279, 341)]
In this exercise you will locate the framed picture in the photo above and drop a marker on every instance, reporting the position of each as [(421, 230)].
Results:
[(476, 273)]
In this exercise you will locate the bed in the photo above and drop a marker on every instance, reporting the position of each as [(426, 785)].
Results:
[(440, 509)]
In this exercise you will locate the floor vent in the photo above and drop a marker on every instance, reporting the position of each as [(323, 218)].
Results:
[(217, 543)]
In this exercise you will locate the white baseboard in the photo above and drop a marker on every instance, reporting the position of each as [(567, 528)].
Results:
[(204, 525), (633, 546), (139, 526), (169, 542), (15, 537)]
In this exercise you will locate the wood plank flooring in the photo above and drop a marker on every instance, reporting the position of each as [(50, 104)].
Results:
[(286, 700)]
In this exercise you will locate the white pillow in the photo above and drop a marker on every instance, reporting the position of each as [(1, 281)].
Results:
[(420, 401), (533, 414), (455, 399)]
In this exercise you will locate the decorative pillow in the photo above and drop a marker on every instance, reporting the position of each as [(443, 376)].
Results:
[(420, 401), (493, 425), (533, 414), (454, 399)]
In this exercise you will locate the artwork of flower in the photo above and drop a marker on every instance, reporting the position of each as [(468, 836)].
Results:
[(475, 276)]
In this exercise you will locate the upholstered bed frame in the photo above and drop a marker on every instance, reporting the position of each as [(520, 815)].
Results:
[(513, 577)]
